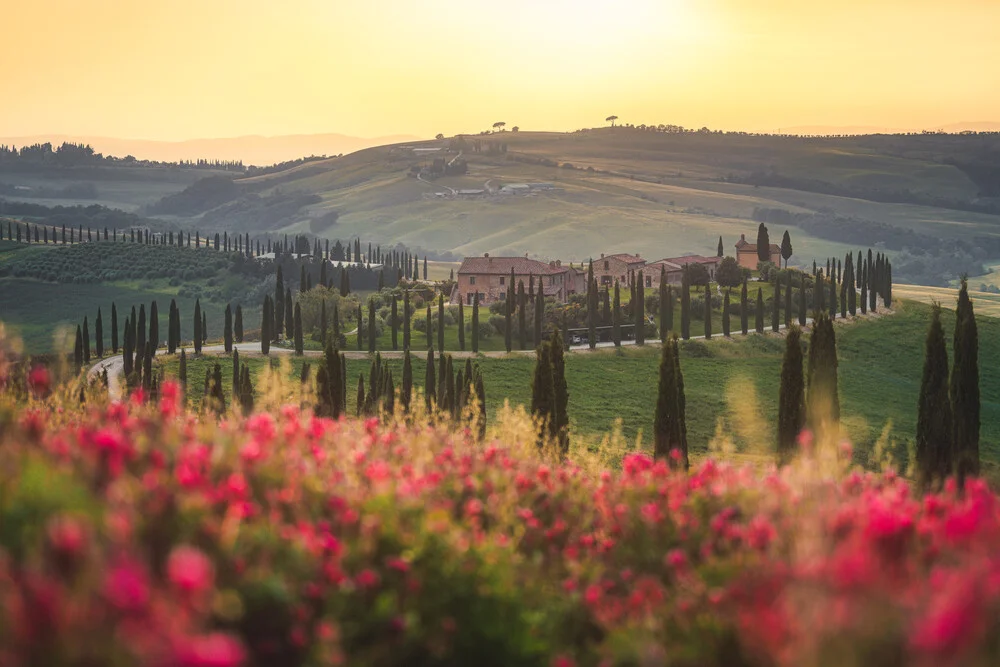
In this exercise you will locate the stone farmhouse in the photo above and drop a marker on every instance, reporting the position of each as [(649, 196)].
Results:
[(674, 266), (610, 268), (746, 254), (490, 277)]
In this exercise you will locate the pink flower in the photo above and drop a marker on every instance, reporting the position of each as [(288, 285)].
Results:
[(367, 578), (67, 535), (39, 381), (261, 426), (127, 587), (190, 570), (212, 650)]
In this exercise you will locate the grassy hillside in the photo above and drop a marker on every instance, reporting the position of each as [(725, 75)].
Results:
[(733, 383)]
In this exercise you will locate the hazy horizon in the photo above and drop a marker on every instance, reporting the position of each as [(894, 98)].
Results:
[(182, 70)]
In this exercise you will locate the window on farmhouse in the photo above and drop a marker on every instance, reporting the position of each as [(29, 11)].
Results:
[(472, 280), (501, 280)]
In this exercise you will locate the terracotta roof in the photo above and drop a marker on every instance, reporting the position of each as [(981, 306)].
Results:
[(665, 263), (625, 257), (691, 259), (551, 290), (502, 265)]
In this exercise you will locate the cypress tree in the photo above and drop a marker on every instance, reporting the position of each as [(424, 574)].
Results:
[(864, 289), (872, 287), (430, 328), (719, 251), (360, 336), (832, 299), (440, 331), (127, 350), (543, 394), (560, 392), (791, 397), (204, 326), (371, 325), (708, 313), (669, 429), (725, 315), (788, 299), (394, 317), (154, 326), (591, 307), (509, 314), (406, 391), (664, 299), (964, 390), (823, 400), (430, 383), (819, 290), (450, 400), (227, 331), (638, 310), (763, 244), (759, 320), (935, 459), (406, 319), (265, 326), (522, 317), (475, 323), (481, 400), (802, 300), (539, 313), (183, 369), (888, 284), (238, 324), (686, 306), (299, 344), (616, 317), (236, 374), (425, 268), (114, 328), (99, 334), (197, 326), (442, 382), (859, 268), (140, 328), (744, 308)]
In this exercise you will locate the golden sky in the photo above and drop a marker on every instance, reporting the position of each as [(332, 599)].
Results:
[(177, 69)]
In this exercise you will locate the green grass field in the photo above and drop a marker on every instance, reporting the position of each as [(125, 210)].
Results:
[(729, 382)]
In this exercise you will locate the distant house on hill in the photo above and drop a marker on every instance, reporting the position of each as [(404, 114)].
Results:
[(490, 277), (746, 254), (674, 267), (610, 268)]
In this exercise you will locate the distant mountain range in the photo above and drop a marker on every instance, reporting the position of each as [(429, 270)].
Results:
[(251, 149), (965, 126)]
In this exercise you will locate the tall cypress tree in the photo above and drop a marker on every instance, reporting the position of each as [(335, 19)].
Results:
[(406, 319), (141, 329), (763, 244), (539, 312), (669, 428), (114, 328), (591, 307), (86, 341), (708, 312), (616, 317), (802, 300), (873, 287), (440, 331), (560, 391), (543, 394), (964, 390), (430, 383), (791, 396), (823, 400), (183, 373), (154, 326), (725, 315), (819, 291), (475, 323), (935, 459), (832, 299), (299, 343), (238, 324), (236, 374), (744, 308), (788, 299), (127, 355), (406, 391), (864, 289), (197, 326), (522, 317), (686, 306), (227, 330), (99, 334), (430, 327)]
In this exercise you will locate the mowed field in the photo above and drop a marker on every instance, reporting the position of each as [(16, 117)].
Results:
[(729, 383)]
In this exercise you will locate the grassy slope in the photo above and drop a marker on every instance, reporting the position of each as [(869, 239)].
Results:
[(736, 382), (685, 211)]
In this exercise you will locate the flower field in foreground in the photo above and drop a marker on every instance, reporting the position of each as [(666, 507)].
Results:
[(141, 534)]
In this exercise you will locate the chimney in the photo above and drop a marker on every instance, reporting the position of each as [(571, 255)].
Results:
[(559, 263), (486, 254), (637, 256), (602, 255), (743, 237), (526, 255)]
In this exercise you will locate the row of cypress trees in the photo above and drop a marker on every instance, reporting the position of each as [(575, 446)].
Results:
[(948, 412)]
